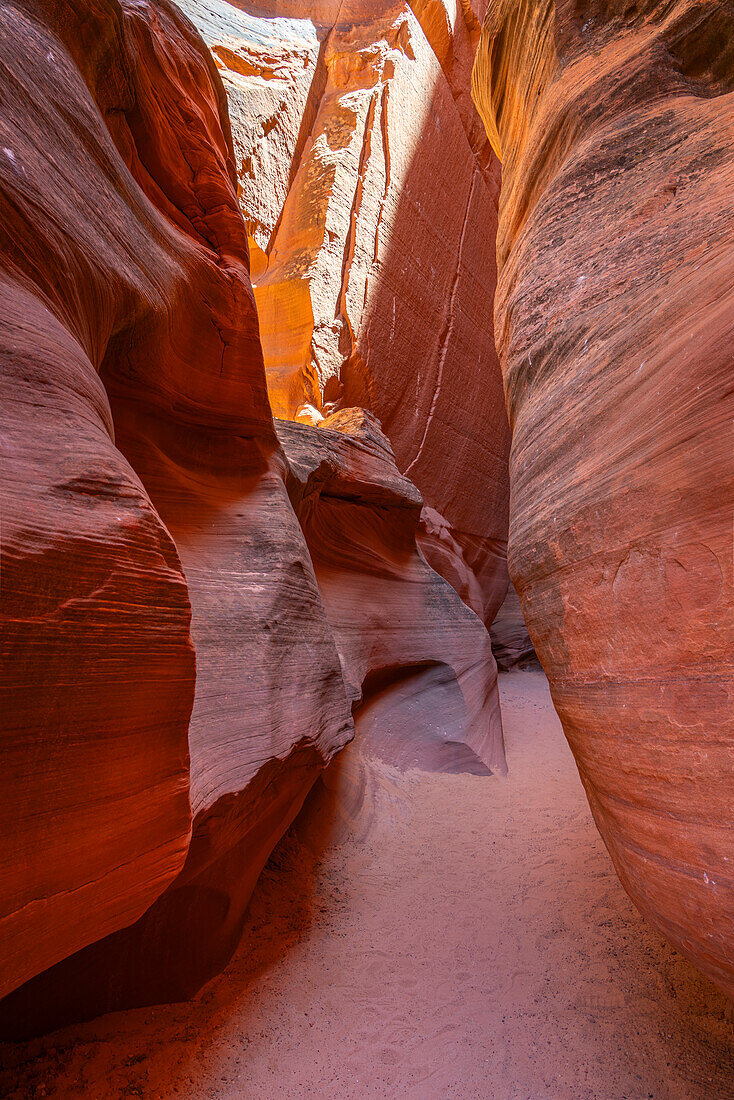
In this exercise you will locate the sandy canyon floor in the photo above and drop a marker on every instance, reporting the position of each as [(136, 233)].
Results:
[(424, 935)]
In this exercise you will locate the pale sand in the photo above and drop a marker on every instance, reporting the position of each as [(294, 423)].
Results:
[(445, 936)]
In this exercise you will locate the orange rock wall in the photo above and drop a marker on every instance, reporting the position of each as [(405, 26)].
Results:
[(369, 190), (615, 328)]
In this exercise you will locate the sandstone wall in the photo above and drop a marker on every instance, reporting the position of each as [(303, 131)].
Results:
[(369, 190), (149, 547), (615, 328)]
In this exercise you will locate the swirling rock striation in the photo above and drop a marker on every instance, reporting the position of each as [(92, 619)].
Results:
[(411, 652), (145, 516), (615, 328)]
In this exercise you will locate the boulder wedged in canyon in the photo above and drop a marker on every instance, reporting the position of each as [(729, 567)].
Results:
[(369, 190), (615, 328), (414, 658), (145, 516)]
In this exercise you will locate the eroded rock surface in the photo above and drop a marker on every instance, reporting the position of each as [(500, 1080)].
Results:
[(144, 509), (615, 327), (369, 190), (412, 654)]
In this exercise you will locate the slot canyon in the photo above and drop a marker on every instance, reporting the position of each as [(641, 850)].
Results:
[(367, 549)]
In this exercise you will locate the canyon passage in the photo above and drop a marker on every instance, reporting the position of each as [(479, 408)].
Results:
[(338, 345), (411, 938)]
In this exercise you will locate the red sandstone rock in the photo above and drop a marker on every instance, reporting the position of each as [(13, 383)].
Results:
[(128, 315), (158, 511), (96, 650), (369, 190), (414, 658), (158, 515), (615, 326)]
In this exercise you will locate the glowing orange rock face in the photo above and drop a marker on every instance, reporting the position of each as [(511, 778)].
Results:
[(615, 326), (369, 189)]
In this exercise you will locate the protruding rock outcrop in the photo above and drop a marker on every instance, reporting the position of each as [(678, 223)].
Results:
[(615, 327), (369, 190), (410, 650)]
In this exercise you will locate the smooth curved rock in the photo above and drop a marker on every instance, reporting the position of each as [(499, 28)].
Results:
[(127, 302), (511, 643), (97, 659), (177, 681), (615, 327)]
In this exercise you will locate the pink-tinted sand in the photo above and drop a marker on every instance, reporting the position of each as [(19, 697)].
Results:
[(424, 935)]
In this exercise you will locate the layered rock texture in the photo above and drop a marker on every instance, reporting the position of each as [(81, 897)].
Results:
[(369, 190), (411, 652), (191, 609), (615, 327), (149, 546), (196, 600)]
